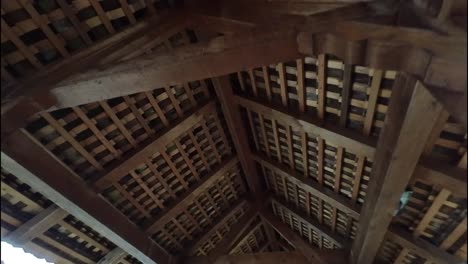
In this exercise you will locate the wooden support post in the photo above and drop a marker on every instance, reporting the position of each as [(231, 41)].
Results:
[(24, 156), (400, 146), (224, 90)]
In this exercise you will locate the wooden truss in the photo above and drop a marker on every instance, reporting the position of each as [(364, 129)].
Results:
[(234, 132)]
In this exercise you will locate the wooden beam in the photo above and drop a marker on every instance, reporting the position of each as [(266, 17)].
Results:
[(311, 186), (401, 143), (236, 231), (257, 258), (36, 226), (34, 165), (153, 144), (184, 200), (28, 98), (114, 256), (312, 254), (231, 112), (220, 56), (446, 176), (421, 247), (222, 222), (320, 228)]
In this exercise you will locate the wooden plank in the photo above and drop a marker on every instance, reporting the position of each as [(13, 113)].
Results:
[(36, 226), (193, 62), (253, 82), (127, 11), (23, 156), (311, 186), (346, 94), (187, 197), (155, 143), (421, 247), (322, 84), (353, 142), (114, 256), (283, 84), (266, 78), (372, 101), (224, 90), (394, 162), (301, 88)]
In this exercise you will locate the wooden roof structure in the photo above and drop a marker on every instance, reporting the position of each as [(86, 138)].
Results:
[(157, 131)]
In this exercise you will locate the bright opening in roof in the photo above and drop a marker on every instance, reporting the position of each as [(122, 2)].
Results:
[(14, 255)]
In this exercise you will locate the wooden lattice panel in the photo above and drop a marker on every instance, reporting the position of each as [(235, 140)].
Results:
[(202, 213), (325, 212), (331, 165), (163, 176), (326, 88), (88, 138), (448, 141), (437, 216), (255, 241), (36, 33), (68, 240), (301, 226)]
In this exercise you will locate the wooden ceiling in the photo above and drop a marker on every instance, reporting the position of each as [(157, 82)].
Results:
[(234, 131)]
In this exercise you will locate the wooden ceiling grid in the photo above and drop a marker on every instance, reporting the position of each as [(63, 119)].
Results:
[(287, 156), (37, 33)]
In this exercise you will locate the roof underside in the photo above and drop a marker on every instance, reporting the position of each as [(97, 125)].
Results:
[(276, 155)]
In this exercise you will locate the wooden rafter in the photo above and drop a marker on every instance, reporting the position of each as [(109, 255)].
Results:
[(400, 145), (231, 113), (23, 155)]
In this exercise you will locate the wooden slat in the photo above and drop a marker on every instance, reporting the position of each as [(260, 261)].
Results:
[(36, 226), (458, 232), (421, 247), (301, 88), (321, 88), (283, 84), (400, 145), (253, 82), (23, 156), (357, 177), (187, 197), (152, 145), (372, 101), (346, 93), (128, 13), (239, 136), (266, 78)]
